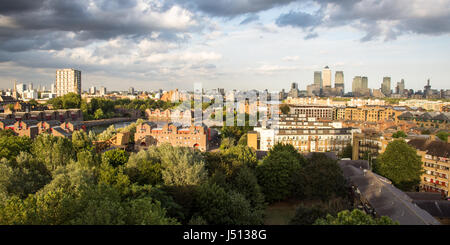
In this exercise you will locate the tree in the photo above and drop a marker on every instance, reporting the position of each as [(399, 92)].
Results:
[(24, 176), (245, 182), (347, 152), (442, 135), (116, 157), (68, 101), (53, 151), (226, 143), (11, 145), (275, 174), (81, 141), (217, 207), (142, 168), (401, 164), (399, 134), (98, 114), (320, 178), (308, 215), (356, 217), (285, 109), (181, 166)]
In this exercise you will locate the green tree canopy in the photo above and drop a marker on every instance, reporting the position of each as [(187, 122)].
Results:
[(53, 151), (275, 174), (355, 217), (320, 178), (11, 145), (143, 168), (181, 166), (443, 135), (116, 157), (218, 207), (399, 134), (401, 164)]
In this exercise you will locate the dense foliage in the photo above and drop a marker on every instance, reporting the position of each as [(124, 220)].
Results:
[(399, 134), (401, 164), (355, 217), (102, 108)]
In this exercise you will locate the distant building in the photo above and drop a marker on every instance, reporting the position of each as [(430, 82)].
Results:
[(102, 90), (326, 77), (357, 84), (294, 92), (386, 86), (305, 134), (131, 90), (318, 79), (93, 90), (68, 81), (400, 88), (339, 80)]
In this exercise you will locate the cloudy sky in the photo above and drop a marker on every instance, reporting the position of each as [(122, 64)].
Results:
[(151, 44)]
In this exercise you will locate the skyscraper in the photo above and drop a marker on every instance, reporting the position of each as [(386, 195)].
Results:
[(68, 81), (400, 87), (357, 84), (293, 93), (339, 80), (318, 79), (93, 90), (386, 86), (364, 83), (326, 77)]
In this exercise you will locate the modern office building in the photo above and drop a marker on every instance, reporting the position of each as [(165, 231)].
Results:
[(386, 86), (318, 79), (93, 90), (357, 84), (364, 82), (102, 91), (68, 81), (326, 77), (294, 92), (339, 81), (400, 89)]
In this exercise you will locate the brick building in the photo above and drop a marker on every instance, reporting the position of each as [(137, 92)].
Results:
[(148, 134), (436, 163)]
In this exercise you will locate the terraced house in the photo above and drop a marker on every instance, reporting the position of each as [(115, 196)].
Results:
[(430, 120)]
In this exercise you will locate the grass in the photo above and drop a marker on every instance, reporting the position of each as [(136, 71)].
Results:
[(281, 213)]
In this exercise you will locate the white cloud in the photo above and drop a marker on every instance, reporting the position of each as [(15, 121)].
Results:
[(291, 58)]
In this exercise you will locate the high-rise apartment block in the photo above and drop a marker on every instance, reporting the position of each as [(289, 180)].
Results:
[(68, 81), (326, 77)]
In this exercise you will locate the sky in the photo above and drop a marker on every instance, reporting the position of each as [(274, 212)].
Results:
[(231, 44)]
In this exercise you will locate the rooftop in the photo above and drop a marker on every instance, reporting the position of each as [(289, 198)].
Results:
[(386, 199)]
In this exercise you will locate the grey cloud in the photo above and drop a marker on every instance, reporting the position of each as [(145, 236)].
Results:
[(383, 19), (231, 8), (46, 24), (249, 19), (299, 19)]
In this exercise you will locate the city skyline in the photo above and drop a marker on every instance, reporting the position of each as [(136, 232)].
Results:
[(258, 44)]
